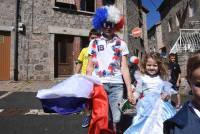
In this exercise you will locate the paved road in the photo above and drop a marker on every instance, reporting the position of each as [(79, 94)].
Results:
[(20, 113)]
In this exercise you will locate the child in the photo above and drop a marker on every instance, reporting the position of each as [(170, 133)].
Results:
[(108, 59), (82, 66), (153, 107), (187, 120), (175, 76)]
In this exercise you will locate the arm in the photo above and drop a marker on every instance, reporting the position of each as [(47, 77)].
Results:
[(127, 79), (179, 76), (78, 67), (79, 64), (178, 80), (90, 66)]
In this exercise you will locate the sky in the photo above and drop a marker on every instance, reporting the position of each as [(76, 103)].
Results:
[(153, 16)]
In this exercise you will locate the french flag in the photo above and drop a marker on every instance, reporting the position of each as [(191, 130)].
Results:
[(70, 96)]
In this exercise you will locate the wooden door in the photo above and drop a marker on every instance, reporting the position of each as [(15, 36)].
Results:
[(4, 55), (64, 55)]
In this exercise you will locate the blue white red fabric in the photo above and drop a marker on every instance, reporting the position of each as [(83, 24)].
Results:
[(69, 96)]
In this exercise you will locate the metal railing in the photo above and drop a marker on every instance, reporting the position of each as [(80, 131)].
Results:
[(188, 41)]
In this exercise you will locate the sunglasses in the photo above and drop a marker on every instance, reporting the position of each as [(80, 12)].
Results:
[(108, 25), (93, 37)]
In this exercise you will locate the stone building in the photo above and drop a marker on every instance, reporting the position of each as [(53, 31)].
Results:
[(180, 20), (136, 17), (177, 15), (51, 34), (155, 42)]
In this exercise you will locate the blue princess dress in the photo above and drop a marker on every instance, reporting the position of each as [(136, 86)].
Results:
[(152, 111)]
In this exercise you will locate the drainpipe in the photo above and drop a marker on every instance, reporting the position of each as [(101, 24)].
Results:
[(16, 41)]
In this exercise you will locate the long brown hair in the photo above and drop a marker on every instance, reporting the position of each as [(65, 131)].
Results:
[(162, 69), (192, 64)]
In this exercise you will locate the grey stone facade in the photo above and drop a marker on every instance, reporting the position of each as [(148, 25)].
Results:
[(136, 17), (7, 24), (170, 12), (7, 14), (43, 21), (155, 38)]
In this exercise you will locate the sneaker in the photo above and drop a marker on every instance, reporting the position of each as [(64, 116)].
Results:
[(86, 121), (178, 108)]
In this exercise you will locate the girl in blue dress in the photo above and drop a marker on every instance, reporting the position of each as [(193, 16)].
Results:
[(153, 106)]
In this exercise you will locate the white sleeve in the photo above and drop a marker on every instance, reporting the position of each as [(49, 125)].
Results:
[(139, 85), (167, 89), (90, 47), (124, 48)]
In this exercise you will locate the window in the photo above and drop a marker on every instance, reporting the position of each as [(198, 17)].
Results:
[(191, 9), (87, 5), (78, 5), (170, 25), (178, 18), (108, 2), (163, 52), (69, 4)]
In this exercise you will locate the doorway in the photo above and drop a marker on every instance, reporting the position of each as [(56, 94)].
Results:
[(63, 58), (5, 43)]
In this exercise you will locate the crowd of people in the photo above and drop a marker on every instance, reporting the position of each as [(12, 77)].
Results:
[(149, 84)]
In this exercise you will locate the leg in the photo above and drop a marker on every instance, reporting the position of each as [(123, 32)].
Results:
[(115, 95), (86, 118), (178, 102), (178, 98)]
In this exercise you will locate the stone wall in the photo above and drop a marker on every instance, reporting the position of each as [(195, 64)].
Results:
[(169, 12), (133, 18), (42, 20), (169, 38), (35, 47), (7, 12)]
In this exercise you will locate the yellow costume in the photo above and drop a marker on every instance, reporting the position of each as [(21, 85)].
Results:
[(83, 58)]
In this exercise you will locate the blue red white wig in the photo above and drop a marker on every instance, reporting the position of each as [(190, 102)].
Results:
[(108, 14)]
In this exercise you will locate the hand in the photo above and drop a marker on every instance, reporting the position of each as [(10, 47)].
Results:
[(131, 97), (165, 97)]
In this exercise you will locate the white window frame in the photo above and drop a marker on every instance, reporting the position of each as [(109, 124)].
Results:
[(191, 9), (177, 21), (169, 26)]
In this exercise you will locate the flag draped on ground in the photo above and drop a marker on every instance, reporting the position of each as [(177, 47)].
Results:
[(70, 96)]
